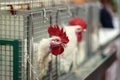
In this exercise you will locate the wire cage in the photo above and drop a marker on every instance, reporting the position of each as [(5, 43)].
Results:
[(18, 24), (23, 20), (27, 21), (12, 27), (28, 29)]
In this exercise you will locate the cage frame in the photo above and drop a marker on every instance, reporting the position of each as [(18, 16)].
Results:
[(15, 44)]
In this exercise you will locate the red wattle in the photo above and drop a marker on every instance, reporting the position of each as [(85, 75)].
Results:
[(57, 51), (79, 37)]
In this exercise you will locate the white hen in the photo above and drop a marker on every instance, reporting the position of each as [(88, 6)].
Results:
[(54, 45), (74, 32)]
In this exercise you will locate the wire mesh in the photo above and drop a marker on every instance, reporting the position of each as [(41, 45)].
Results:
[(64, 17), (11, 27), (9, 59), (28, 29), (30, 4), (6, 62), (37, 27), (23, 20), (50, 69)]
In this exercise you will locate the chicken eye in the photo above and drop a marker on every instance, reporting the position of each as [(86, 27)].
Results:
[(78, 30), (56, 40)]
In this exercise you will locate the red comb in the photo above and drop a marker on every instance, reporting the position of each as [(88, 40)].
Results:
[(57, 31), (78, 21)]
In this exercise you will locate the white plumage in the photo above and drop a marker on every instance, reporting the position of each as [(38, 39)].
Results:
[(42, 50), (42, 55), (67, 58), (70, 51)]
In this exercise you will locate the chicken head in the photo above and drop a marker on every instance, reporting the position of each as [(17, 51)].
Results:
[(58, 41), (80, 25)]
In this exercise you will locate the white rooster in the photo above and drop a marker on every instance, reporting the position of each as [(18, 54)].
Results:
[(55, 45), (74, 32)]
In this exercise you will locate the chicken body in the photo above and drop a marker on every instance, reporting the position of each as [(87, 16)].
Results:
[(42, 55), (68, 58)]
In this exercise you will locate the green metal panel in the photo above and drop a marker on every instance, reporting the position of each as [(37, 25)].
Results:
[(12, 47)]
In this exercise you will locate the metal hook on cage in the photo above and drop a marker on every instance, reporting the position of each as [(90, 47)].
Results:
[(44, 15)]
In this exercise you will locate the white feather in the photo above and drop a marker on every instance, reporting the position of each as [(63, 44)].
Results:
[(70, 51), (42, 55)]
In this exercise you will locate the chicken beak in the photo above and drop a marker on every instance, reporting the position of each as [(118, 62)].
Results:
[(84, 30)]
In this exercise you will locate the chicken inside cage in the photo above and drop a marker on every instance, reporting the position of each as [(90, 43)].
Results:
[(54, 45), (74, 32), (38, 52)]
